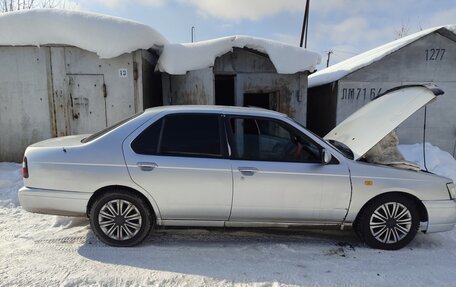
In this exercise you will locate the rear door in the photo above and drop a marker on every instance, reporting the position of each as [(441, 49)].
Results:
[(181, 160)]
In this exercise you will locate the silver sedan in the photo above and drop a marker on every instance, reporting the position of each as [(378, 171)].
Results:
[(238, 167)]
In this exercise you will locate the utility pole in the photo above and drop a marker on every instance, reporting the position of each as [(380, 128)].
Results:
[(329, 55), (305, 25), (193, 33)]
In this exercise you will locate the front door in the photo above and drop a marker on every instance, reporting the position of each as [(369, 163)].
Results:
[(278, 175), (181, 161)]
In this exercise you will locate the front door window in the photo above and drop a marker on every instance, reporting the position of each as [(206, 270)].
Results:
[(270, 140)]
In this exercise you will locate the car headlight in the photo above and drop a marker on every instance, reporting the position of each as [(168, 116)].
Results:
[(451, 190)]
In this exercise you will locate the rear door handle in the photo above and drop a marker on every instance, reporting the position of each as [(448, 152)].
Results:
[(248, 170), (147, 166)]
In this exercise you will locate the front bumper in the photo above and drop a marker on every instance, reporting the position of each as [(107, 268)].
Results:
[(56, 202), (441, 215)]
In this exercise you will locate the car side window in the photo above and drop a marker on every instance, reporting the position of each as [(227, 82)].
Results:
[(147, 141), (182, 135), (271, 140), (189, 135)]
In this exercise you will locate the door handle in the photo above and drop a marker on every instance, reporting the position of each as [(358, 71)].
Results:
[(248, 170), (147, 166)]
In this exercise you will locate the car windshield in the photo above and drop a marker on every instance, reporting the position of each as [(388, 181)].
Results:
[(108, 129), (340, 147)]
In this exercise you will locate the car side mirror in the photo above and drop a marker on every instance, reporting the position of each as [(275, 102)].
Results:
[(326, 157)]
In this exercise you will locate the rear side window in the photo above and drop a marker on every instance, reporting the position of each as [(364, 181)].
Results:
[(147, 141), (182, 135)]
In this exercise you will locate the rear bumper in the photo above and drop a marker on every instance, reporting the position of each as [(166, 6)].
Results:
[(441, 215), (56, 202)]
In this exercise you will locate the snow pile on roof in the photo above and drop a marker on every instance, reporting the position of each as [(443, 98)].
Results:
[(437, 161), (105, 35), (340, 70), (287, 59)]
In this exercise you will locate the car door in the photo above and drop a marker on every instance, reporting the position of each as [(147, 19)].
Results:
[(181, 160), (278, 175)]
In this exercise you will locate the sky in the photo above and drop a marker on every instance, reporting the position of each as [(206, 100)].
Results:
[(345, 27)]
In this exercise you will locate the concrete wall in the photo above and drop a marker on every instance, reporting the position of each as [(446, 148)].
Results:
[(289, 91), (255, 73), (430, 59), (243, 61), (193, 88), (24, 99), (60, 90)]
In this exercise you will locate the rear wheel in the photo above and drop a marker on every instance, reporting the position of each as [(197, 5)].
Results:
[(121, 219), (389, 222)]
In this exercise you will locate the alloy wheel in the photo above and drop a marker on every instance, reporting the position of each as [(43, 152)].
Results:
[(390, 222), (119, 219)]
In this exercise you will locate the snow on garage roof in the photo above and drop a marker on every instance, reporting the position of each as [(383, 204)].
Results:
[(177, 59), (105, 35), (340, 70)]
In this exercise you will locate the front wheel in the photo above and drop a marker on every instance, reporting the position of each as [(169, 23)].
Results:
[(120, 219), (389, 222)]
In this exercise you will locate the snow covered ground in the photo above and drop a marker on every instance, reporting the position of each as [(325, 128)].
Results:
[(45, 250)]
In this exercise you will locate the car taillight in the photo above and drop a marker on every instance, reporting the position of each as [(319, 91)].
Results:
[(25, 173)]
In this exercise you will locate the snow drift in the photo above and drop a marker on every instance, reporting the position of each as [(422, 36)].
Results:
[(10, 182), (107, 36), (437, 161), (348, 66), (177, 59)]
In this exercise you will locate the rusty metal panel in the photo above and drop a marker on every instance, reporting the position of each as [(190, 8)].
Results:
[(194, 88), (288, 93), (62, 90), (119, 76), (87, 103), (60, 96)]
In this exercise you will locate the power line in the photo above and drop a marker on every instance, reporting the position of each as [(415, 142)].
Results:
[(345, 52), (340, 57)]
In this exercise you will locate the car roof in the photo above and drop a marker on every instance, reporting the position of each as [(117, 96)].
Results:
[(215, 109)]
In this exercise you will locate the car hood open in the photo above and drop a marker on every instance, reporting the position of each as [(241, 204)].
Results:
[(368, 125)]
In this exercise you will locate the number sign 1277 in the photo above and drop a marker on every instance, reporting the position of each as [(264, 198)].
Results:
[(434, 54)]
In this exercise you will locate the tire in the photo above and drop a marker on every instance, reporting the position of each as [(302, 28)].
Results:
[(389, 222), (126, 228)]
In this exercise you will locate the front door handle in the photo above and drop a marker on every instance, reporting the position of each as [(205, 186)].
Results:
[(147, 166), (248, 170)]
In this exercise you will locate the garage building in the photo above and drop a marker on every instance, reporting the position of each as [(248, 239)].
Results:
[(428, 56), (238, 71), (68, 72)]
